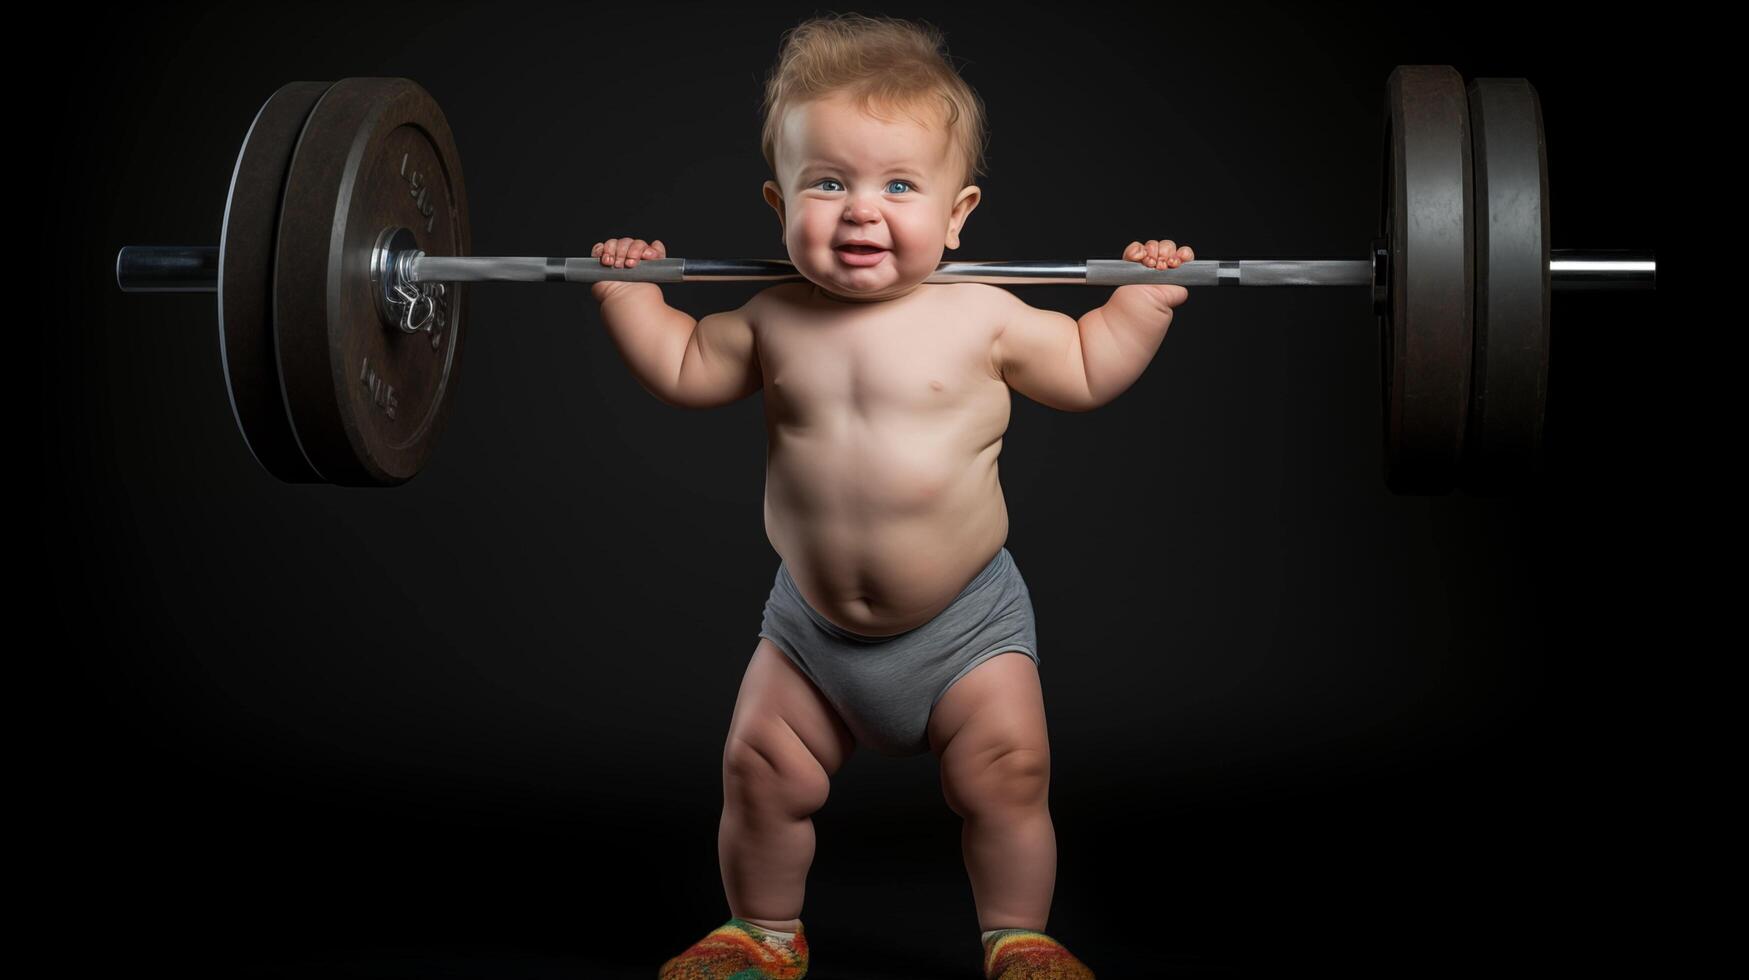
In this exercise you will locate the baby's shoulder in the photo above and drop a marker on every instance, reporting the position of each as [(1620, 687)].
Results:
[(975, 292), (789, 291), (980, 298), (778, 297)]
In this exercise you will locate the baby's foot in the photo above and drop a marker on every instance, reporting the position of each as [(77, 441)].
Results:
[(740, 950), (1021, 954)]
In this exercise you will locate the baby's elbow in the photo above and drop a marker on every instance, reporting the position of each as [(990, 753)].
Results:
[(1092, 399)]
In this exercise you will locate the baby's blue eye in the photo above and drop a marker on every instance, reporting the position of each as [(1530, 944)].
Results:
[(830, 180)]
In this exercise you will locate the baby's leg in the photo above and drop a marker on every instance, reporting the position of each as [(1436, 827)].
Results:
[(988, 730), (784, 744)]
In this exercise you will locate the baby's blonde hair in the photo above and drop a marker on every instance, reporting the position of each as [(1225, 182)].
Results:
[(879, 62)]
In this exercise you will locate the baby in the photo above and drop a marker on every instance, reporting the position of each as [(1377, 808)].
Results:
[(898, 619)]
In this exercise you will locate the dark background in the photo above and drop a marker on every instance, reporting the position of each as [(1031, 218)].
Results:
[(473, 726)]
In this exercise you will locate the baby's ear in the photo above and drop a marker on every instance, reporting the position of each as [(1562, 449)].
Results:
[(774, 197), (962, 208)]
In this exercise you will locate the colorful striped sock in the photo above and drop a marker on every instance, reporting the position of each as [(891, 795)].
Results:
[(1010, 953), (741, 950)]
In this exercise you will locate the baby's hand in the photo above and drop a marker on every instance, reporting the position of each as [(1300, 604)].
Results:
[(623, 253), (1162, 254)]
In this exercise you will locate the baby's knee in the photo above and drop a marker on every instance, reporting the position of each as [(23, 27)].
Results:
[(1017, 778), (763, 774)]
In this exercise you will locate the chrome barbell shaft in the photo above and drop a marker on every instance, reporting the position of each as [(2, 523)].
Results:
[(175, 268), (418, 267)]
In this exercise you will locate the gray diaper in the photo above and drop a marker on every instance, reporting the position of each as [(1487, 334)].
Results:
[(884, 687)]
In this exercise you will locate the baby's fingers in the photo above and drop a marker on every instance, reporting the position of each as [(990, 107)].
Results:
[(639, 249), (621, 251), (610, 250), (1167, 253)]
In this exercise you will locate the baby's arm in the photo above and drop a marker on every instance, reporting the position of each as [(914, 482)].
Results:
[(1079, 365), (719, 366), (1038, 353), (683, 362)]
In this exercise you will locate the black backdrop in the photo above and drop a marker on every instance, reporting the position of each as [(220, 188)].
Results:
[(451, 729)]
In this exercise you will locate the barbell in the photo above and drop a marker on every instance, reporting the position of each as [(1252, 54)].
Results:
[(345, 236)]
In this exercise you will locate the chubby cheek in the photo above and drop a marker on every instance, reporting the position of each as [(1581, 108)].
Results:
[(920, 247), (814, 233), (921, 232)]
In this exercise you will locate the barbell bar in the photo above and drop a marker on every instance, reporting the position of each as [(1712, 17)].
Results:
[(194, 269), (346, 230)]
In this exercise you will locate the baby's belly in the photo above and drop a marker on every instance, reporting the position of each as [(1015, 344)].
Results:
[(881, 533)]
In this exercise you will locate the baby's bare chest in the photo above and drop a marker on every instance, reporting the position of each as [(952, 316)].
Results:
[(927, 364)]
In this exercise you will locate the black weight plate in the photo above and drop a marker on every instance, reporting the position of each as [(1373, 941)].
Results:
[(246, 281), (1503, 448), (367, 401), (1426, 340)]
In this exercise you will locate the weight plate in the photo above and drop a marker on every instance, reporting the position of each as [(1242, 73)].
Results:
[(1426, 339), (1503, 447), (367, 401), (246, 281)]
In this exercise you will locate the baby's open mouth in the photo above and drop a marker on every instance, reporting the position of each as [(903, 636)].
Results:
[(860, 249)]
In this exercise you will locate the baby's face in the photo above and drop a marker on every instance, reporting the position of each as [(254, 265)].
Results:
[(843, 175)]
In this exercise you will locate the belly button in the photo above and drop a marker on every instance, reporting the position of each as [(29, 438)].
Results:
[(936, 385)]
